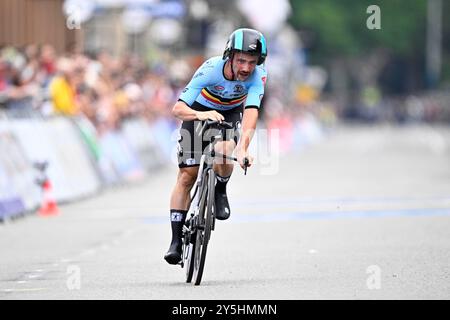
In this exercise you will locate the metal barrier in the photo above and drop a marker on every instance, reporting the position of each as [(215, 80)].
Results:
[(81, 162)]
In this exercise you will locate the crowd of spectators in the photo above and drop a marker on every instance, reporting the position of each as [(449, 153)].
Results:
[(424, 107), (103, 88), (107, 89)]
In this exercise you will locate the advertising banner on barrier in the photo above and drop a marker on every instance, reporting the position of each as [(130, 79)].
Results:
[(18, 191), (138, 134), (78, 160), (104, 166), (165, 133), (57, 142), (115, 150), (71, 150), (89, 136), (10, 202)]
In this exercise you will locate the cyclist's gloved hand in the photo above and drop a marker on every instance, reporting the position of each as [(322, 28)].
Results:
[(241, 155), (211, 115)]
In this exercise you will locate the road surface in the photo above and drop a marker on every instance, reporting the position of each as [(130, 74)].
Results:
[(362, 214)]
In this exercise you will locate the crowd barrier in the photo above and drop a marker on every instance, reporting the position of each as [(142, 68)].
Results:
[(17, 189), (80, 161)]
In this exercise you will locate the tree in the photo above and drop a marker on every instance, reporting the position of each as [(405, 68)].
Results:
[(340, 26), (340, 37)]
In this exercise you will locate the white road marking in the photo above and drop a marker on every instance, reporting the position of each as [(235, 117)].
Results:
[(23, 290)]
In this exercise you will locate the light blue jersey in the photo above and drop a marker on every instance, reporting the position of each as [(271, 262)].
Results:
[(209, 87)]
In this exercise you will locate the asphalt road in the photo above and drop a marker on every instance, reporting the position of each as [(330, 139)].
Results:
[(363, 214)]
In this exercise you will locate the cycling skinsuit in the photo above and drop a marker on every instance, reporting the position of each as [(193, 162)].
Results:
[(210, 90)]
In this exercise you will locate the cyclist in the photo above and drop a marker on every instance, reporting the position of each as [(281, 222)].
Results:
[(225, 88)]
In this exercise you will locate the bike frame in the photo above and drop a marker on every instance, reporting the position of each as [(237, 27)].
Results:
[(201, 215), (206, 163), (201, 219)]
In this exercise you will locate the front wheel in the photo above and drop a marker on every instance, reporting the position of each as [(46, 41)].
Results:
[(188, 251), (205, 223)]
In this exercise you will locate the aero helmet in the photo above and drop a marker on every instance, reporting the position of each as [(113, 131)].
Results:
[(247, 40)]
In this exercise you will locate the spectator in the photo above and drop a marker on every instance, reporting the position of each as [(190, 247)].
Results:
[(47, 60), (62, 88), (15, 92)]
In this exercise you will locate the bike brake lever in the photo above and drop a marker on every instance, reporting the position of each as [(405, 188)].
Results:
[(246, 162)]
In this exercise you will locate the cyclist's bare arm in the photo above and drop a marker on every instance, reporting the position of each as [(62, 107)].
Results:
[(183, 112), (249, 121)]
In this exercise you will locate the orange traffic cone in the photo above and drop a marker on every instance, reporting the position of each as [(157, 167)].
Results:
[(49, 206)]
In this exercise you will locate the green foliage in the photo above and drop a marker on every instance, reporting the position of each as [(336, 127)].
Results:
[(339, 26)]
